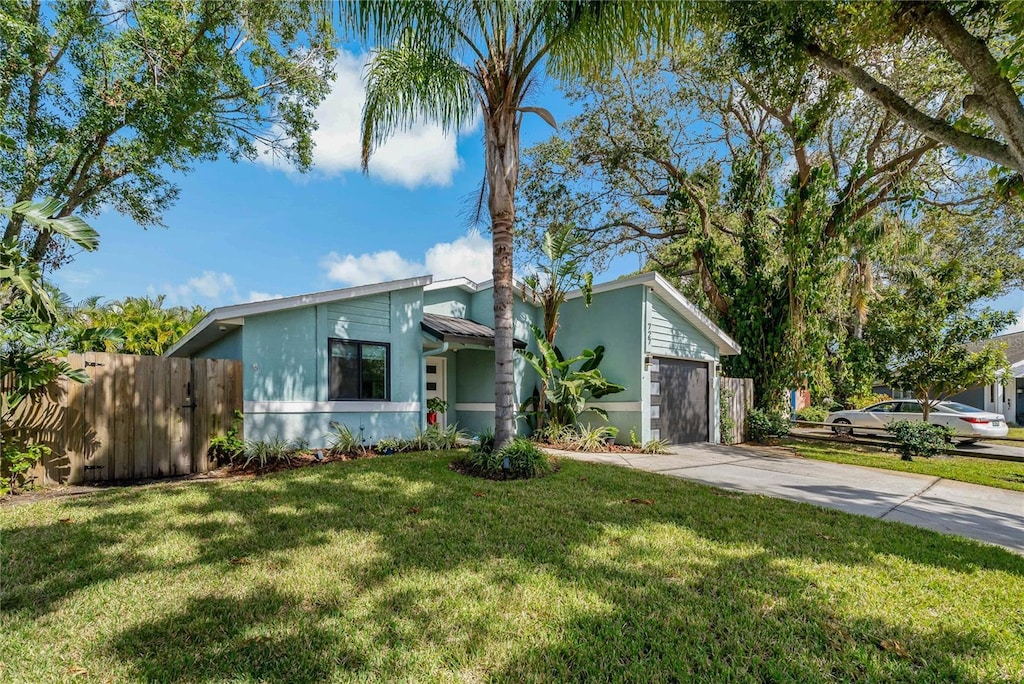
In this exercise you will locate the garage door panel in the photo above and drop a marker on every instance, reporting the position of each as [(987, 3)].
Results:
[(683, 402)]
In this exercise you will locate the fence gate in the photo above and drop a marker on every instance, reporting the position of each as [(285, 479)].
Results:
[(140, 417), (738, 394)]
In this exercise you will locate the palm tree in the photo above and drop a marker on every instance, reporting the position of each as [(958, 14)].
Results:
[(449, 61)]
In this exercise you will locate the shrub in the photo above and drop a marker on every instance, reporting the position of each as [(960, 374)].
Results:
[(256, 451), (594, 439), (859, 401), (435, 438), (15, 461), (343, 441), (485, 440), (389, 445), (229, 446), (813, 414), (561, 436), (917, 438), (517, 460), (762, 424), (655, 446)]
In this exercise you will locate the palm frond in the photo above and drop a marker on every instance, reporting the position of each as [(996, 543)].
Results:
[(409, 82), (40, 215)]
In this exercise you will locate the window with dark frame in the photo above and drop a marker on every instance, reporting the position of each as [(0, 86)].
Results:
[(358, 370)]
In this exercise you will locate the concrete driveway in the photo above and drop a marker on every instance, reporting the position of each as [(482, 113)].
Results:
[(987, 514)]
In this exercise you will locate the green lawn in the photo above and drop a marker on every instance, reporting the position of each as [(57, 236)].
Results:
[(399, 569), (983, 471)]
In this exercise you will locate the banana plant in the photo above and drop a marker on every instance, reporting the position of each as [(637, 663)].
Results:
[(569, 383)]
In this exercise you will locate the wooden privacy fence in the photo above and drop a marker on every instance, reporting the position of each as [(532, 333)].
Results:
[(140, 417), (737, 394)]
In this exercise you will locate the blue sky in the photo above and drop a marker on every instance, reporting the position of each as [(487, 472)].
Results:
[(247, 231)]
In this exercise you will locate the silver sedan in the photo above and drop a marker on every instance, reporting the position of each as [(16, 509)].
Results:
[(965, 421)]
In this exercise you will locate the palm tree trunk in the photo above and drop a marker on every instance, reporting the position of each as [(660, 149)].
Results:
[(502, 168)]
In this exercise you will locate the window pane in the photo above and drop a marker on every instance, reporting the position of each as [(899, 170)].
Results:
[(343, 370), (375, 370)]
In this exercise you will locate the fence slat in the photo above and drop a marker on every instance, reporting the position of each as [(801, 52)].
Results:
[(160, 438)]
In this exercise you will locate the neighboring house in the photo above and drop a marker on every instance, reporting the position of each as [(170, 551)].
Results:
[(370, 356), (1007, 399)]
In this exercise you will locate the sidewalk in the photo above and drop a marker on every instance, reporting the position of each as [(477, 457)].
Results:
[(988, 514)]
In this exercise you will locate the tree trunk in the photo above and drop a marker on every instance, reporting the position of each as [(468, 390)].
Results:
[(501, 130)]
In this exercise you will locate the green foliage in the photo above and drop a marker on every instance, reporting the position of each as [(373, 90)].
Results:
[(485, 441), (16, 460), (917, 438), (931, 337), (563, 251), (229, 446), (852, 370), (389, 445), (813, 414), (435, 438), (567, 389), (134, 325), (656, 446), (764, 424), (341, 440), (268, 452), (859, 401), (517, 460), (437, 405), (595, 438), (968, 53), (726, 423)]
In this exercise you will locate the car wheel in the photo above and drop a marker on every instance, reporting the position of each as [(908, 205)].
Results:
[(842, 427)]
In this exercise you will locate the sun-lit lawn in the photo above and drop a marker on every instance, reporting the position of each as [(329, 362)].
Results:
[(399, 569), (983, 471)]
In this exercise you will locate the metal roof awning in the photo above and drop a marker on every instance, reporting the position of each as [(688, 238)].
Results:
[(461, 331)]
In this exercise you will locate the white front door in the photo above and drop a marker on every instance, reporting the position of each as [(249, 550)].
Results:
[(437, 383)]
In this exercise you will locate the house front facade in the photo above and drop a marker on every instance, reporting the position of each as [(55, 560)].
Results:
[(370, 357)]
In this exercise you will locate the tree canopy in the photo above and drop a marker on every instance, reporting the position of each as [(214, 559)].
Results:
[(103, 101)]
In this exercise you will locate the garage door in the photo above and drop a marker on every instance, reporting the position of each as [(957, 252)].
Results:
[(683, 398)]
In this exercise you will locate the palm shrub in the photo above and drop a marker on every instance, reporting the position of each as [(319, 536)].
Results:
[(917, 438)]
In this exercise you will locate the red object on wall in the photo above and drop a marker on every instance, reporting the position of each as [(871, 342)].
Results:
[(431, 417)]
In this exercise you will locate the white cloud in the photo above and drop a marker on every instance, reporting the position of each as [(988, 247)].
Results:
[(468, 256), (257, 296), (213, 287), (420, 155)]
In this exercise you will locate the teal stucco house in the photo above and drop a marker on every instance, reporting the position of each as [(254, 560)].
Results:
[(370, 357)]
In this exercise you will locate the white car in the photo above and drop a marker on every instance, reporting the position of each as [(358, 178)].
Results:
[(965, 421)]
